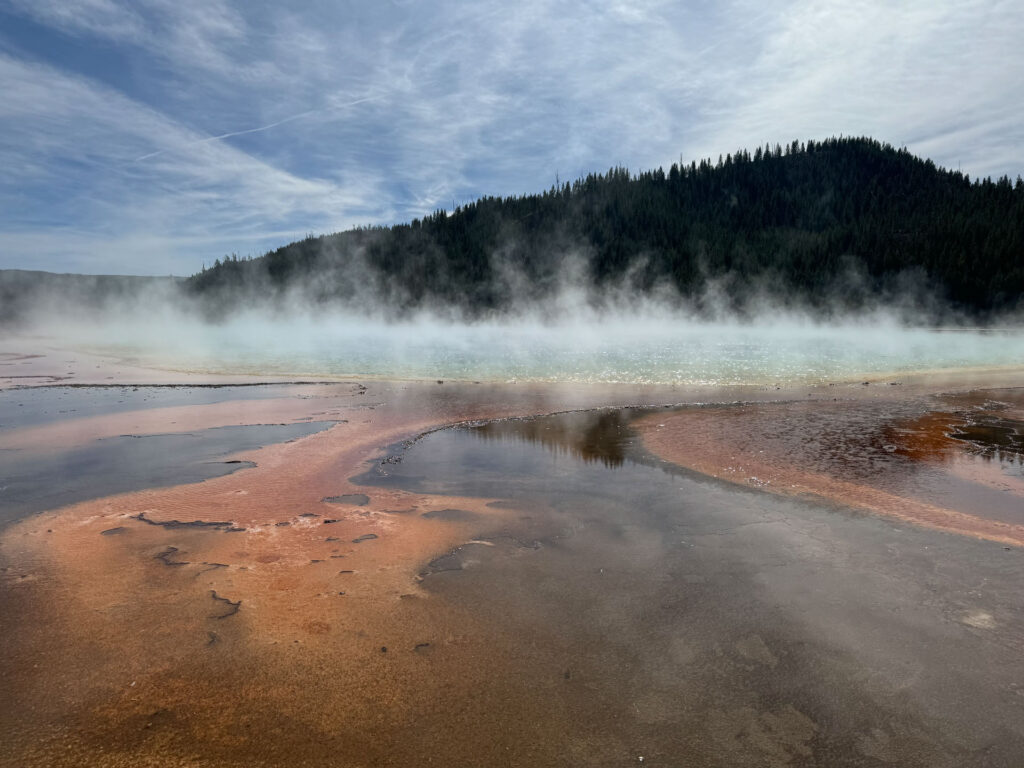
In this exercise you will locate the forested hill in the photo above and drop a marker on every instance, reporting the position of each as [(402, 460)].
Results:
[(791, 218)]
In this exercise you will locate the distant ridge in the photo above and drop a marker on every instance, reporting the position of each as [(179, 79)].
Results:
[(839, 224), (789, 220)]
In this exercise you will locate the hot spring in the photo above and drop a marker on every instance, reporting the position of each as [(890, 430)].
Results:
[(643, 350)]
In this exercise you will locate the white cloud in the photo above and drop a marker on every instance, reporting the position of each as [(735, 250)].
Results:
[(75, 141), (170, 27), (240, 128), (914, 73), (107, 18)]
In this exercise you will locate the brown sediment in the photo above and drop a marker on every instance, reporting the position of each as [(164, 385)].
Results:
[(289, 667), (990, 421), (867, 455), (980, 446), (143, 662)]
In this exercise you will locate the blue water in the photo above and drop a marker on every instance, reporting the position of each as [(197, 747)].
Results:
[(645, 351)]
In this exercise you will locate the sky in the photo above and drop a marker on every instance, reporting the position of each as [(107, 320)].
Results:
[(153, 136)]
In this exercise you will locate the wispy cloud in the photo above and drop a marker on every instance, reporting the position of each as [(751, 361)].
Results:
[(239, 120), (106, 18), (260, 128), (915, 73), (71, 141)]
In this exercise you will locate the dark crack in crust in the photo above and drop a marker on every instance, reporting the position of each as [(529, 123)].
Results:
[(220, 525), (233, 605), (165, 557)]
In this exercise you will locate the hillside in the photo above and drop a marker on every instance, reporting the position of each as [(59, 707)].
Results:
[(787, 220)]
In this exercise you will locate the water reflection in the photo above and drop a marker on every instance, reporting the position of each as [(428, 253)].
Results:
[(593, 436), (656, 609)]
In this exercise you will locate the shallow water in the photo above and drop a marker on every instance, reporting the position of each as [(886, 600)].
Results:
[(689, 623), (33, 481), (651, 351), (33, 406), (612, 607)]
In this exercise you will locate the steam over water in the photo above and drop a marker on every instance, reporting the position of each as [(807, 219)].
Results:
[(664, 350)]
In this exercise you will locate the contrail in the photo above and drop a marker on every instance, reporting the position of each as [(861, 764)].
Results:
[(267, 127)]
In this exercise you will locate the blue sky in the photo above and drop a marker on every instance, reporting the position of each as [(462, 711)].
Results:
[(151, 136)]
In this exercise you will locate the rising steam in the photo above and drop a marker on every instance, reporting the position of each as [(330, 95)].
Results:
[(558, 332)]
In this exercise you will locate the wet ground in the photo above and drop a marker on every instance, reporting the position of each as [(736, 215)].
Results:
[(32, 406), (948, 461), (525, 591), (693, 624)]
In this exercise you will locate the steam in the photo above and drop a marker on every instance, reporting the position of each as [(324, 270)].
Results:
[(560, 330)]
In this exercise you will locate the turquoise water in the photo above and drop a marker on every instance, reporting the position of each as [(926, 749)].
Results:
[(641, 351)]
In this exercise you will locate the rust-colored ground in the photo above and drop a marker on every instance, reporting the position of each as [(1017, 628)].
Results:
[(305, 637), (296, 634), (929, 462)]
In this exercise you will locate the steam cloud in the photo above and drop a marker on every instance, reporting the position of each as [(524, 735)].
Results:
[(560, 330)]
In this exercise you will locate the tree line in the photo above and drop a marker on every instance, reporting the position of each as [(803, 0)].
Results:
[(790, 218)]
